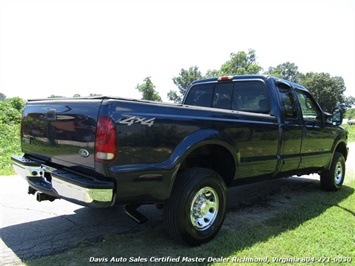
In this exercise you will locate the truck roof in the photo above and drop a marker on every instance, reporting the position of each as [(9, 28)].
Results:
[(249, 76)]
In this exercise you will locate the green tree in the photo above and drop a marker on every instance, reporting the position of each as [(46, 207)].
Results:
[(186, 76), (211, 73), (9, 114), (148, 90), (17, 103), (241, 63), (2, 96), (349, 102), (327, 90), (288, 71), (76, 95)]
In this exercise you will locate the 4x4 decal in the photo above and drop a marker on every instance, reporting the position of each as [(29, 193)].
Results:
[(135, 120)]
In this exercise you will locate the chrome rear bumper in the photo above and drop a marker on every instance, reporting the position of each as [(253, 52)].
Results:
[(79, 189)]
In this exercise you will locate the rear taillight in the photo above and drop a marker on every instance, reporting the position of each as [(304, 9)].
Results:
[(106, 145)]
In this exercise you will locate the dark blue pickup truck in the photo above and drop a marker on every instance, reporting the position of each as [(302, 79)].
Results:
[(229, 131)]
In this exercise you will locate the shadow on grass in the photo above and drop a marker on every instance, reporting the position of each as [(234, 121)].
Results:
[(278, 205), (288, 206), (345, 209)]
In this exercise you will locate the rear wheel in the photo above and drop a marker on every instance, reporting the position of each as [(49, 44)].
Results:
[(333, 179), (197, 207)]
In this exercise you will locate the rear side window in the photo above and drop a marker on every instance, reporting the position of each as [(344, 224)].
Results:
[(200, 95), (249, 96)]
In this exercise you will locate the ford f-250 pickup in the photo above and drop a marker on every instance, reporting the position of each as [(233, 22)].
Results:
[(228, 131)]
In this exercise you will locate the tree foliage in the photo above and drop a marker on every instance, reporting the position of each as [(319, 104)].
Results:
[(288, 71), (2, 96), (241, 63), (17, 103), (186, 76), (349, 102), (11, 110), (148, 90), (328, 91)]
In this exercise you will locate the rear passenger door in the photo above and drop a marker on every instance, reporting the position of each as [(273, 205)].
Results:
[(291, 128)]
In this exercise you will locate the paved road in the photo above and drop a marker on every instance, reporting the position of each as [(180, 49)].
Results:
[(31, 229)]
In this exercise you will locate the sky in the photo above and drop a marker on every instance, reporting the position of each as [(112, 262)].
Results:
[(67, 47)]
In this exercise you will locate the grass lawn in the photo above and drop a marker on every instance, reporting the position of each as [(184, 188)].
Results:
[(351, 130)]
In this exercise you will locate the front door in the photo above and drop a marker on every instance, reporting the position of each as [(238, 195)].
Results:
[(317, 137)]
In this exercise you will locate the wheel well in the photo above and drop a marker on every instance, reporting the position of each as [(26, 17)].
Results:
[(214, 157), (342, 149)]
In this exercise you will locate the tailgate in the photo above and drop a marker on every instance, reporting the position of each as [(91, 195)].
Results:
[(61, 131)]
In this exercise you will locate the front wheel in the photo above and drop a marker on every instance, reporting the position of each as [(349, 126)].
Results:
[(332, 180), (197, 207)]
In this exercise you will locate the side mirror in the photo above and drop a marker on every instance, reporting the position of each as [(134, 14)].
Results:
[(337, 117)]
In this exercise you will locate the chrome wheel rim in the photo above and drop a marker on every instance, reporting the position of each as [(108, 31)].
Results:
[(338, 174), (204, 208)]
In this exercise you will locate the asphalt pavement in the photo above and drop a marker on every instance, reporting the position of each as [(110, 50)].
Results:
[(31, 229)]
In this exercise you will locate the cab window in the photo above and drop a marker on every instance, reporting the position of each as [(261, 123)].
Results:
[(248, 96), (200, 95), (222, 97), (251, 96)]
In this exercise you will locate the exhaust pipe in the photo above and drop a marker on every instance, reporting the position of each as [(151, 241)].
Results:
[(42, 197)]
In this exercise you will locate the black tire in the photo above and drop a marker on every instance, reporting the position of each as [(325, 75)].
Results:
[(332, 180), (197, 206)]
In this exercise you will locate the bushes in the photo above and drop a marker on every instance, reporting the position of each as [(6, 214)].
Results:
[(10, 117), (10, 110), (9, 145)]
